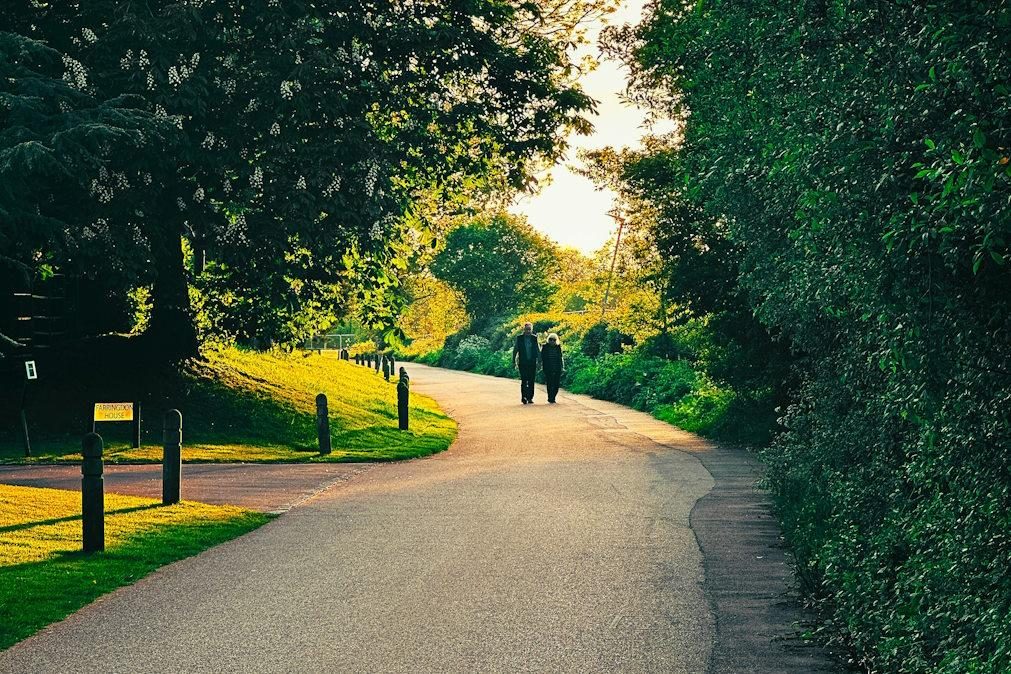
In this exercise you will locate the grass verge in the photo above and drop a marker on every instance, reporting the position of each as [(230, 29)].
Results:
[(43, 575), (237, 406)]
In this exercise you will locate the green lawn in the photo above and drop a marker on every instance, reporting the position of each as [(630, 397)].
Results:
[(238, 406), (43, 575)]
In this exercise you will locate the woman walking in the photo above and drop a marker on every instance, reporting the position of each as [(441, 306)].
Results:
[(551, 362)]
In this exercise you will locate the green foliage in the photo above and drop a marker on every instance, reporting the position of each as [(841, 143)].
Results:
[(499, 265), (843, 176), (294, 146), (62, 149)]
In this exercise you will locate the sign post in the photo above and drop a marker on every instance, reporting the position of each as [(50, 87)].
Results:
[(31, 374), (119, 412)]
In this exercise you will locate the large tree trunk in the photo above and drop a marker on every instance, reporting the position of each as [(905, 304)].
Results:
[(171, 332)]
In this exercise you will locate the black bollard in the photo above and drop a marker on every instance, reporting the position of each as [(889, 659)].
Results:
[(403, 395), (387, 368), (323, 424), (172, 458), (378, 363), (136, 425), (393, 364), (92, 494)]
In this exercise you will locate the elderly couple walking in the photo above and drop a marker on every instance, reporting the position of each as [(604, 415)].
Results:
[(527, 353)]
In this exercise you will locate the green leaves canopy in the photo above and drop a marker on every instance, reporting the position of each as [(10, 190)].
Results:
[(305, 131), (499, 265)]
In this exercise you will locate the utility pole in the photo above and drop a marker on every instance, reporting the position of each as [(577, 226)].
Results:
[(614, 259)]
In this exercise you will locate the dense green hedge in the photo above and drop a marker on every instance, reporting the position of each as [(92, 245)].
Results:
[(848, 162)]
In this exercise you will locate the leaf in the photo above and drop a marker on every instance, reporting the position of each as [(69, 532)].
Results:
[(930, 144), (957, 157), (978, 138)]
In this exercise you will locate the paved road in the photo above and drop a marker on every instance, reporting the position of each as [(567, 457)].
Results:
[(265, 487), (548, 538)]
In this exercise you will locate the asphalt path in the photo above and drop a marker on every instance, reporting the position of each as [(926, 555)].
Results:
[(547, 538), (268, 487)]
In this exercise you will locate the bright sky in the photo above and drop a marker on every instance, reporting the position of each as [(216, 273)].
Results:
[(571, 210)]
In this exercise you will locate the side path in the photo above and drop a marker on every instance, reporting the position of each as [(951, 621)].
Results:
[(548, 538), (749, 583)]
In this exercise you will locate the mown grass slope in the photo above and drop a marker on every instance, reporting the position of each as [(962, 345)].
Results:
[(238, 406), (44, 576)]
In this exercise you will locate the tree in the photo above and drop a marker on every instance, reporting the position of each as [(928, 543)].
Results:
[(434, 312), (306, 131), (500, 265), (66, 158)]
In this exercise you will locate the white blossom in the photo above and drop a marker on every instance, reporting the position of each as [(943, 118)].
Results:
[(371, 177), (75, 73), (333, 187), (289, 89)]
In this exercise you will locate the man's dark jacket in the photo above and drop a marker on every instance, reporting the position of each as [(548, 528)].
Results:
[(527, 349)]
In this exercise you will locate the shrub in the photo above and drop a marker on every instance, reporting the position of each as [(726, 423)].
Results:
[(471, 349), (593, 340)]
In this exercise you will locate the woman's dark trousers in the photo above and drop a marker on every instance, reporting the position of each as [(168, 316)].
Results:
[(552, 378)]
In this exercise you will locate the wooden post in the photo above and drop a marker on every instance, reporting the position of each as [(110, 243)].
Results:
[(172, 457), (378, 363), (323, 424), (136, 425), (386, 368), (92, 494), (403, 396), (24, 421)]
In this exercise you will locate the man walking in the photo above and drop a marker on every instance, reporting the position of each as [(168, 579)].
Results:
[(525, 356)]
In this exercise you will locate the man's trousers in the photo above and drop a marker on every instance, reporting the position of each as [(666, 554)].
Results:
[(527, 374)]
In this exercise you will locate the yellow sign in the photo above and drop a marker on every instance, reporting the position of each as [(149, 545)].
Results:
[(113, 411)]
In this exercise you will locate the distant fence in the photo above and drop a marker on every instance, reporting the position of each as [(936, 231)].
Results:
[(329, 342)]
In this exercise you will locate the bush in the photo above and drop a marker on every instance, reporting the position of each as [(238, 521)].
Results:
[(593, 340), (471, 349)]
